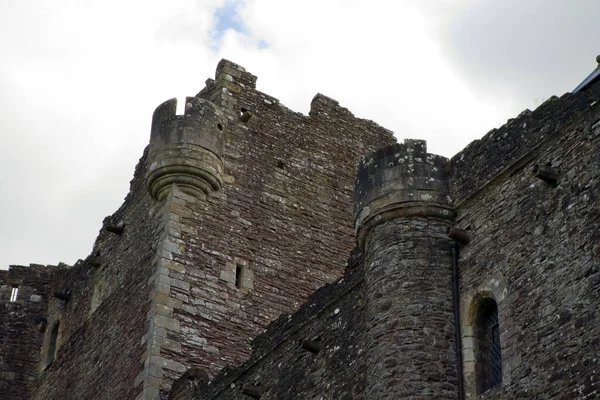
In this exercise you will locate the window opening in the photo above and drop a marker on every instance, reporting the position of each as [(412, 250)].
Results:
[(238, 276), (97, 296), (14, 293), (53, 346), (489, 355)]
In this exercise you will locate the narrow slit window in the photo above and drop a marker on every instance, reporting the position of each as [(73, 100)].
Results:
[(238, 276), (53, 345), (14, 293), (489, 354)]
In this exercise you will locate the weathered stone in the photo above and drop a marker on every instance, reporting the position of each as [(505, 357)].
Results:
[(195, 277)]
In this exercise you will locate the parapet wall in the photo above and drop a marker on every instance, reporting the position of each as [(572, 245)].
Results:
[(186, 150), (401, 180), (514, 144), (22, 323)]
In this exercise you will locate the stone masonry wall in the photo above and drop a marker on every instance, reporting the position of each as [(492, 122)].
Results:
[(280, 368), (101, 348), (21, 326), (535, 250), (410, 319), (281, 222)]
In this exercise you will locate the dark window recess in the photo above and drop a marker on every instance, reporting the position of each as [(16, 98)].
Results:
[(53, 345), (489, 353), (238, 276)]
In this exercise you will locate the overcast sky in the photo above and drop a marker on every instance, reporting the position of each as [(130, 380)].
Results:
[(79, 81)]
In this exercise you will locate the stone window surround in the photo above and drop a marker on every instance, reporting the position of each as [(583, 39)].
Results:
[(490, 288), (52, 342), (238, 275), (14, 293)]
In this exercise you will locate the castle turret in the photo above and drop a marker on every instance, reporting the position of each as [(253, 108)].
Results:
[(186, 150), (402, 215)]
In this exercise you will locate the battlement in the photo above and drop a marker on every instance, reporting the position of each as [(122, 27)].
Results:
[(200, 124), (30, 281), (400, 180), (233, 76), (186, 149), (24, 296), (514, 143)]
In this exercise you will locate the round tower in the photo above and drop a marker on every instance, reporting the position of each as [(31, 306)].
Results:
[(402, 213), (186, 150)]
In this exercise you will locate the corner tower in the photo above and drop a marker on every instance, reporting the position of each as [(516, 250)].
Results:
[(186, 150), (402, 213)]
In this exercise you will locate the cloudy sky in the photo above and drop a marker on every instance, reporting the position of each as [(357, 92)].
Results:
[(79, 81)]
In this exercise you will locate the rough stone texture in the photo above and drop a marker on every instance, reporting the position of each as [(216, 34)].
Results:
[(101, 326), (410, 322), (334, 317), (20, 325), (403, 213), (535, 249), (175, 288), (283, 217)]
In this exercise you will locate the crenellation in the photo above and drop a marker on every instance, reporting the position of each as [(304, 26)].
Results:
[(488, 157), (179, 155)]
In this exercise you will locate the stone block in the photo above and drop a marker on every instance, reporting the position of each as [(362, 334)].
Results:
[(170, 324)]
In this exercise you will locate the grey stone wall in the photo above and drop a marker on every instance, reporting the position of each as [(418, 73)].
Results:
[(283, 220), (402, 215), (101, 347), (21, 327), (535, 250), (280, 368)]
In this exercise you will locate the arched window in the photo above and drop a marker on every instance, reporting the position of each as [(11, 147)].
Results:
[(53, 344), (489, 354)]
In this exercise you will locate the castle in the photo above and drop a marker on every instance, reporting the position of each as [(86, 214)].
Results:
[(252, 260)]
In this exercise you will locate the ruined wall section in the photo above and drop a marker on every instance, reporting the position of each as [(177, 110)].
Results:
[(282, 221), (317, 352), (22, 322), (101, 306), (535, 250)]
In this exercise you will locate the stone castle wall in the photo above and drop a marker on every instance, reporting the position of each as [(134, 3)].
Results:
[(102, 323), (222, 233), (180, 278), (21, 326), (535, 249), (317, 352), (282, 221)]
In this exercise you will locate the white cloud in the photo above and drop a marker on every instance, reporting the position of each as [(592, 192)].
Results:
[(80, 81)]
